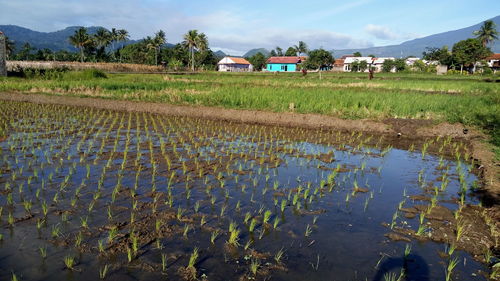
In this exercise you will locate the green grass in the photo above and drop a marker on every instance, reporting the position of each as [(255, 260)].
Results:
[(470, 100)]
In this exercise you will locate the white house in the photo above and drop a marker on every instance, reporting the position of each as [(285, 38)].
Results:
[(493, 61), (232, 64), (379, 62), (349, 60)]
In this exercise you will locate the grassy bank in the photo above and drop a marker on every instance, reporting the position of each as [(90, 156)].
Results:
[(470, 100)]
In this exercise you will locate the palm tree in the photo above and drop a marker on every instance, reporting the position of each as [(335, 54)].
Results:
[(190, 39), (301, 48), (9, 47), (202, 44), (158, 41), (121, 36), (487, 33), (102, 38), (279, 51), (80, 40)]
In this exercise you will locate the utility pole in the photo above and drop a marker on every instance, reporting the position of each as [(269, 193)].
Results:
[(3, 55)]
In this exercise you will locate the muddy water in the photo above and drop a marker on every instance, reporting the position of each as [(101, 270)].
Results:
[(147, 178)]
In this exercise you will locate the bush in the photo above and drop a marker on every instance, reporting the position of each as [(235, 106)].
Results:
[(47, 74), (487, 71), (87, 74)]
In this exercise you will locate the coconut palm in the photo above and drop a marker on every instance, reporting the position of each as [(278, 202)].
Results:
[(190, 39), (80, 40), (301, 48), (102, 38), (487, 33), (122, 36), (158, 41), (9, 46)]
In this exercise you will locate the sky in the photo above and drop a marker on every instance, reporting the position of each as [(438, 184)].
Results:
[(236, 26)]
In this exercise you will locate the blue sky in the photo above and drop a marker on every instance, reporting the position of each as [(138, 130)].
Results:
[(239, 25)]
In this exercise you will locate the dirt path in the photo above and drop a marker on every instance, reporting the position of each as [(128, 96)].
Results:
[(397, 128)]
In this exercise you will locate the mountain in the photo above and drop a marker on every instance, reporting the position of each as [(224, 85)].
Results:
[(220, 54), (417, 46), (55, 41), (252, 52)]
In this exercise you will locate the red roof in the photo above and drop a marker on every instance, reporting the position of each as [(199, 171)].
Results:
[(239, 60), (291, 60), (494, 57), (339, 62)]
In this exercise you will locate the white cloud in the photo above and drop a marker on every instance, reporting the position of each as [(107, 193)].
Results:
[(381, 32), (385, 33), (228, 29)]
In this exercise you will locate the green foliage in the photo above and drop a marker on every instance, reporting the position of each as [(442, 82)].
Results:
[(443, 55), (290, 52), (387, 65), (469, 51), (487, 33), (87, 74), (318, 58), (258, 61), (357, 54)]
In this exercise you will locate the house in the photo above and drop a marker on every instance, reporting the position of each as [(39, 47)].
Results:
[(232, 64), (348, 61), (493, 61), (338, 65), (284, 64), (378, 64)]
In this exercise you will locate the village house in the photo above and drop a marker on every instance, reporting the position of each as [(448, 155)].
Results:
[(338, 65), (232, 64), (493, 62), (348, 61), (284, 64), (379, 62)]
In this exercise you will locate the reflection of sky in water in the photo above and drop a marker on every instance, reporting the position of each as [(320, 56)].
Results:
[(348, 236)]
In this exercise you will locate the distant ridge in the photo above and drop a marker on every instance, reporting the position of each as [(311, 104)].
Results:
[(253, 52), (417, 46), (55, 41)]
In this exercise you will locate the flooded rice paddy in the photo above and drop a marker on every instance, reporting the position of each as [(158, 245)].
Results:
[(88, 194)]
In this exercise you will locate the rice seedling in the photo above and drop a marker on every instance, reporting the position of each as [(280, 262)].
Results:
[(234, 237), (214, 236), (254, 266), (450, 267), (253, 223), (460, 229), (279, 256), (421, 230), (56, 231), (267, 216), (407, 250), (103, 271), (43, 251), (192, 261), (308, 231), (69, 262)]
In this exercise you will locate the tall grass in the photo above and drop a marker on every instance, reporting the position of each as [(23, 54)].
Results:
[(469, 100)]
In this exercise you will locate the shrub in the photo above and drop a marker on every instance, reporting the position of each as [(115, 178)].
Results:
[(87, 74)]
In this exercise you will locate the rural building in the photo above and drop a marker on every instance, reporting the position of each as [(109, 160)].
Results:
[(232, 64), (493, 61), (338, 65), (350, 60), (284, 64), (379, 62)]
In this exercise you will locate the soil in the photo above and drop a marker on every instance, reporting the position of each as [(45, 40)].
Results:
[(398, 130)]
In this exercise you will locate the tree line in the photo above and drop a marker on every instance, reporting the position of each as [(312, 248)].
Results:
[(194, 52), (467, 53), (112, 46)]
